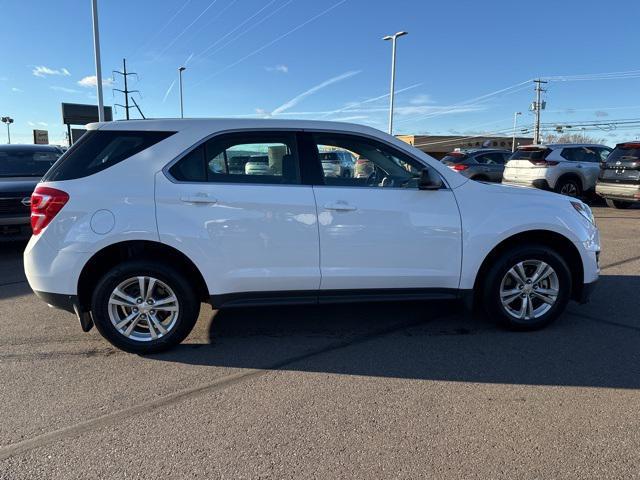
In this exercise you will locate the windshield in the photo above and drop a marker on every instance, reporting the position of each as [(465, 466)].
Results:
[(26, 163), (625, 153)]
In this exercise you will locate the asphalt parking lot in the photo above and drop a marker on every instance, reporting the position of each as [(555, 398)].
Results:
[(359, 391)]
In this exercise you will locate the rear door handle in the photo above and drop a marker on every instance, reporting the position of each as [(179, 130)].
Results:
[(340, 207), (198, 198)]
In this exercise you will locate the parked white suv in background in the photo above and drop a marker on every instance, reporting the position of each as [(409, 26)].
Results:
[(570, 169), (141, 221)]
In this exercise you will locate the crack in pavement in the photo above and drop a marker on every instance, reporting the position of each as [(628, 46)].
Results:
[(217, 385), (621, 262)]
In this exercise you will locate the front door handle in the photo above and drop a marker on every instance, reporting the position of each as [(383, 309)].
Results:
[(198, 198), (340, 207)]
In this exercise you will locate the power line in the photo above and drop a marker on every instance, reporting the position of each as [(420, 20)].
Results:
[(158, 32), (246, 20), (262, 20), (267, 45), (175, 39)]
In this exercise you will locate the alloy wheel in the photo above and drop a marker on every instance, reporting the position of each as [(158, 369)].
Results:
[(529, 289), (143, 308)]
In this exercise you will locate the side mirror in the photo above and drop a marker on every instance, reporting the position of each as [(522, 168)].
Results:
[(429, 181)]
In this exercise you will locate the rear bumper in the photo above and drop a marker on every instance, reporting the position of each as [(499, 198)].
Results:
[(619, 191), (540, 183)]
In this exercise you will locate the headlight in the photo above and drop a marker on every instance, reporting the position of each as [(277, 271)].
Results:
[(584, 210)]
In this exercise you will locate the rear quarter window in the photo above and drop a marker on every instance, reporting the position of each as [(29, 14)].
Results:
[(98, 150)]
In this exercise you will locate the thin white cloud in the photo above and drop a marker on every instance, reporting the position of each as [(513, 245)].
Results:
[(297, 99), (90, 81), (166, 94), (188, 60), (31, 124), (63, 89), (278, 69), (350, 119), (420, 99), (42, 71), (16, 89), (43, 124)]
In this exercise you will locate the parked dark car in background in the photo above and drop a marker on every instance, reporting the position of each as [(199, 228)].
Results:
[(619, 178), (481, 164), (21, 167)]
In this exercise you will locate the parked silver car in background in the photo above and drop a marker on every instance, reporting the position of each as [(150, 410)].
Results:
[(569, 169)]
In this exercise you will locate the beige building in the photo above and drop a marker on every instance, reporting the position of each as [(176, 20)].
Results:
[(439, 145)]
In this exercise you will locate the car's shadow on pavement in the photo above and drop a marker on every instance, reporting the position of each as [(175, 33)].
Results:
[(589, 346)]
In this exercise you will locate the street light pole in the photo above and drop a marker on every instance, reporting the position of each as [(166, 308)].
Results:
[(393, 39), (515, 123), (180, 70), (8, 121), (96, 51)]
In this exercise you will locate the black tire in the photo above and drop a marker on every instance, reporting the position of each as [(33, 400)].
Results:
[(491, 283), (617, 204), (570, 184), (189, 306)]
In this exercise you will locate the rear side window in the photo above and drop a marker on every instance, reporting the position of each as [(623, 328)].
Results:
[(98, 150), (530, 154), (247, 157)]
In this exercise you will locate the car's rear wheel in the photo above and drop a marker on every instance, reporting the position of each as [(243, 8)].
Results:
[(570, 187), (618, 204), (527, 287), (143, 307)]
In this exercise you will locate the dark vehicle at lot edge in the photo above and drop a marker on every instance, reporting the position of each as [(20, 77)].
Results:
[(619, 178), (21, 168), (479, 164)]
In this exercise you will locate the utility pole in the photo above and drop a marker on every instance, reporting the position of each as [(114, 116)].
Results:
[(126, 90), (96, 53), (537, 106), (393, 39)]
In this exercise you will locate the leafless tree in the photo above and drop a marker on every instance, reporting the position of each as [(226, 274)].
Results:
[(571, 138)]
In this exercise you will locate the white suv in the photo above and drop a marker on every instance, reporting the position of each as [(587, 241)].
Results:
[(570, 169), (141, 221)]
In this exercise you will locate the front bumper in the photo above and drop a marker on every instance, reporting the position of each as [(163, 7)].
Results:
[(59, 300), (586, 292), (619, 191)]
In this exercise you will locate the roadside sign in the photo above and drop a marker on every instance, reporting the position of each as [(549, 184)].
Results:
[(81, 114), (41, 137)]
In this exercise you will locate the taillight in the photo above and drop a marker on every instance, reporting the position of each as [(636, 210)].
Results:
[(458, 167), (544, 163), (46, 202)]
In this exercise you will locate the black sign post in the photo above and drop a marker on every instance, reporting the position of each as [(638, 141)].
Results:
[(81, 114)]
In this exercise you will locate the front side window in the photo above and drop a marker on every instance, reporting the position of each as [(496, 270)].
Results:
[(376, 165)]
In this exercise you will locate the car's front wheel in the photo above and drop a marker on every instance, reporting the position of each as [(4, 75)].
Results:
[(527, 287), (144, 307)]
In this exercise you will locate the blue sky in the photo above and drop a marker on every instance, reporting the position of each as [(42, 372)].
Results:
[(325, 59)]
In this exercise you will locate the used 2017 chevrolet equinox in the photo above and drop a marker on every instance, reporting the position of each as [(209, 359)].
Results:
[(141, 221)]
